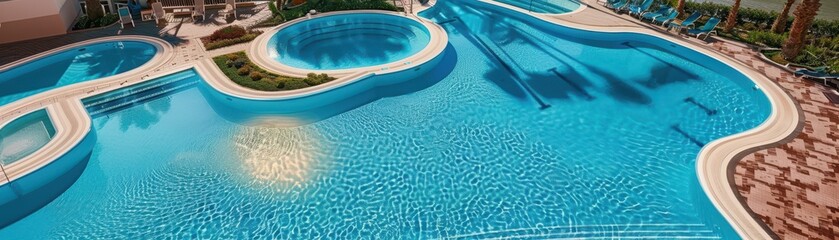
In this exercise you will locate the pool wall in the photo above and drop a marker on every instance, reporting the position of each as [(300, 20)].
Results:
[(716, 160), (13, 109), (303, 104), (38, 178), (258, 49)]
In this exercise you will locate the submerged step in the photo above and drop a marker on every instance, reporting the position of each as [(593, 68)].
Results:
[(119, 99)]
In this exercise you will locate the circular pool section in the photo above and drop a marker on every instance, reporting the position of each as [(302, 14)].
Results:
[(346, 41)]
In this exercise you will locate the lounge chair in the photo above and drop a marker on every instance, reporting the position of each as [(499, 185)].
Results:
[(819, 73), (229, 8), (641, 8), (620, 4), (199, 9), (608, 3), (157, 12), (662, 10), (666, 18), (706, 29), (686, 23), (125, 17)]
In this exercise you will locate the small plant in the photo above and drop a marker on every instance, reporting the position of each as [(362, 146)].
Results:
[(244, 71), (767, 38), (295, 83), (232, 56), (229, 32), (256, 76)]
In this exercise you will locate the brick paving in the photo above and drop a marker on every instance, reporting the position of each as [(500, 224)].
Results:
[(794, 187)]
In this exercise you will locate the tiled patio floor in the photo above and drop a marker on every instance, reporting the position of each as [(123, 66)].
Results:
[(793, 187)]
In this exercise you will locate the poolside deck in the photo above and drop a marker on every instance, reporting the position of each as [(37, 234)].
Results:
[(792, 186)]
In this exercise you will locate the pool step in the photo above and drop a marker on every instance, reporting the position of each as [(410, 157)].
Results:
[(119, 99), (608, 231)]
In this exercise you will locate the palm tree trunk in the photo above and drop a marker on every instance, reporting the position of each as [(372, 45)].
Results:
[(731, 21), (94, 9), (780, 24), (681, 7), (805, 13)]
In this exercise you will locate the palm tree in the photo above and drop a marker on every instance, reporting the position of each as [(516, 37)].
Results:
[(731, 21), (780, 23), (94, 9), (805, 13), (681, 7)]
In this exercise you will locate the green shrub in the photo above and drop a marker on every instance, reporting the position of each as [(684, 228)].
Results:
[(272, 6), (281, 82), (229, 32), (295, 83), (325, 6), (227, 42), (232, 56), (766, 38), (256, 76), (244, 71), (85, 22)]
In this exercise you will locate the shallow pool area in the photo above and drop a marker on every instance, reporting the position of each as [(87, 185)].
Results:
[(74, 65), (346, 41), (524, 129), (24, 135)]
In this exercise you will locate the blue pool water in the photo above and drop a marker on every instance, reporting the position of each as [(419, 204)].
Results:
[(348, 41), (71, 66), (545, 6), (463, 152), (25, 135)]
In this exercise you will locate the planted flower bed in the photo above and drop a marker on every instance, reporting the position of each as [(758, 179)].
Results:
[(242, 71), (227, 36)]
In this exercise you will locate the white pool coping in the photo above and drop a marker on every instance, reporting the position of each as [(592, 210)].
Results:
[(64, 106), (715, 161), (258, 53)]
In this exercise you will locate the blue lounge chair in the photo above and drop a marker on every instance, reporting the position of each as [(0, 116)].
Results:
[(706, 29), (666, 18), (620, 4), (641, 8), (125, 17), (819, 73), (686, 23), (662, 10)]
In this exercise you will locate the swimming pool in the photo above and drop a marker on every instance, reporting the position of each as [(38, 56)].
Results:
[(347, 41), (467, 152), (25, 135), (545, 6), (74, 65)]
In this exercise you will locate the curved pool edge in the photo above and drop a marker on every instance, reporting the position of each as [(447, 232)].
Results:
[(165, 51), (438, 39), (715, 160), (67, 114)]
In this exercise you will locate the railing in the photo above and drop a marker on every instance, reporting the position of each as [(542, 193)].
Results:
[(3, 171), (184, 3)]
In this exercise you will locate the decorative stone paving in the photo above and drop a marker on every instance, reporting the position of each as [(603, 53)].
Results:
[(794, 187)]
